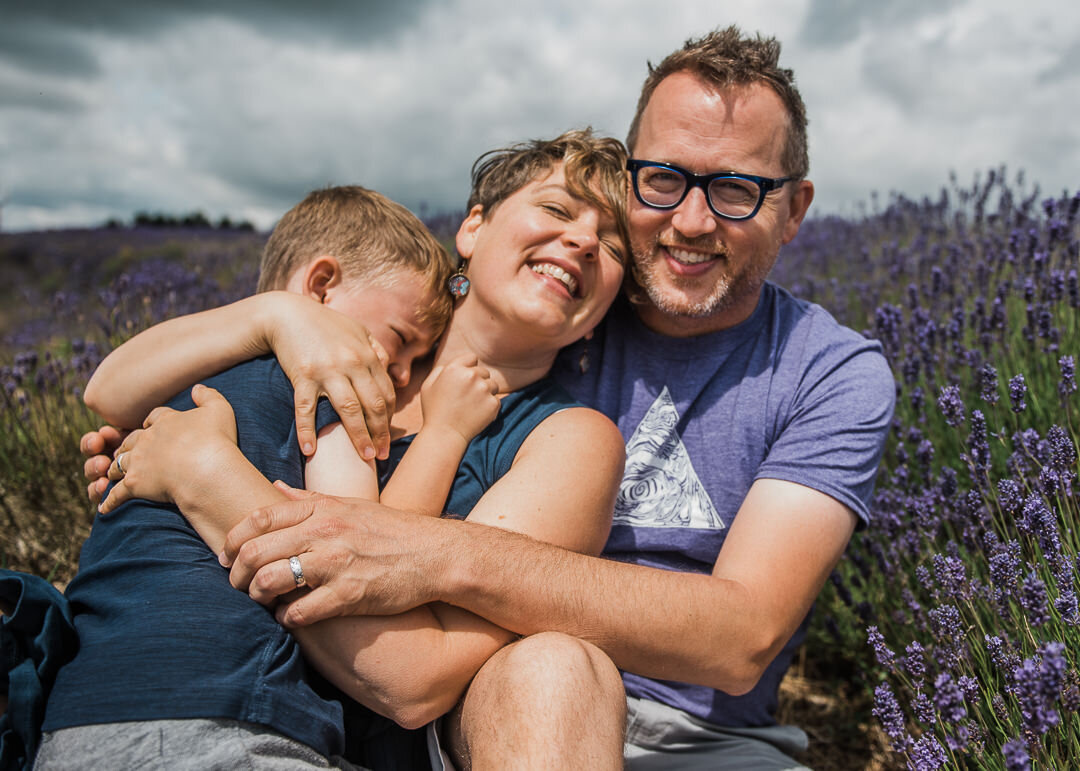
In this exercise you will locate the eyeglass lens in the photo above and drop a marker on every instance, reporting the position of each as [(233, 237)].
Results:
[(662, 186)]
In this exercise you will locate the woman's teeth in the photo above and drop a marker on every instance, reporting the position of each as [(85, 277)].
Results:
[(547, 269)]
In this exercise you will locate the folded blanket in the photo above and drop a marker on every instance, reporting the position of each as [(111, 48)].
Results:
[(36, 639)]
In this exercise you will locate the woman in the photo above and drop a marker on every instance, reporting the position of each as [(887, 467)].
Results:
[(544, 242)]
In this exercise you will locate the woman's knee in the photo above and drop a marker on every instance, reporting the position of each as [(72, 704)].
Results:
[(553, 661)]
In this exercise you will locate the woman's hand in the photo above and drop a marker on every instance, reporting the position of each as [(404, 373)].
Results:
[(98, 448), (459, 396), (173, 449), (326, 353)]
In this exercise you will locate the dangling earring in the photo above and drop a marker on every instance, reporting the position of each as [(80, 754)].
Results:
[(459, 283), (583, 360)]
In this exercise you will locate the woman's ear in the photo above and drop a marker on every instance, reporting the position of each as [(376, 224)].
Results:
[(321, 275), (465, 241)]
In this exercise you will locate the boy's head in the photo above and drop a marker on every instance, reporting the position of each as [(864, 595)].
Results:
[(370, 258)]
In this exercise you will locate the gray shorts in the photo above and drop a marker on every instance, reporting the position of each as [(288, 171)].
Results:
[(195, 744), (662, 738)]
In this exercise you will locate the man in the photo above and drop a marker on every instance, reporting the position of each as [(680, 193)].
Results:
[(754, 426)]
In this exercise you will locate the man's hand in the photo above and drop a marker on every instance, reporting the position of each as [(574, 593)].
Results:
[(172, 449), (98, 448), (326, 353), (359, 558)]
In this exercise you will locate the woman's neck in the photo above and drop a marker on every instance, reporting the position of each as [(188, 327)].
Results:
[(511, 360), (512, 364)]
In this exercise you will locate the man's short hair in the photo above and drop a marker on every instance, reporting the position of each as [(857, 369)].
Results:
[(594, 166), (726, 59), (367, 233)]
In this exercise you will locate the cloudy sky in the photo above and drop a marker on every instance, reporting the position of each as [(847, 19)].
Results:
[(240, 107)]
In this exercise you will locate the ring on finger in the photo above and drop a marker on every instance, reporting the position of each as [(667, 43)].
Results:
[(297, 572), (120, 463)]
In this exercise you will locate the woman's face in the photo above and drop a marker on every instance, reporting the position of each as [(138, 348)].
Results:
[(544, 262)]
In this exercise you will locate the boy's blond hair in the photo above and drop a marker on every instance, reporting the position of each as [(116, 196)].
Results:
[(594, 166), (368, 234)]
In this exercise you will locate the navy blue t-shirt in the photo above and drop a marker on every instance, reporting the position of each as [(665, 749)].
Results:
[(163, 635)]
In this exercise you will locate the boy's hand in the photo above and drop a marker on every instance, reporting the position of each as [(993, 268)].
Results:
[(326, 353), (98, 448), (173, 448), (459, 396)]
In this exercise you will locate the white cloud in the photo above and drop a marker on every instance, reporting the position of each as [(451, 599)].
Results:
[(241, 114)]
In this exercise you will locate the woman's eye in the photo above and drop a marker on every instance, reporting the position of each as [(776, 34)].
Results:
[(555, 209)]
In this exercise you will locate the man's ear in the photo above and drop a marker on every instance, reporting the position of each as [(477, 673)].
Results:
[(465, 241), (320, 276), (797, 206)]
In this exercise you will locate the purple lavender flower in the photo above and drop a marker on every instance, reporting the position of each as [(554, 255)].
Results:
[(887, 710), (1018, 393), (949, 699), (1009, 496), (1068, 376), (1016, 755), (951, 406), (923, 709), (949, 633), (1033, 599), (1001, 653), (884, 655), (951, 575), (977, 443), (1038, 681), (915, 661), (988, 384), (927, 754), (1067, 607)]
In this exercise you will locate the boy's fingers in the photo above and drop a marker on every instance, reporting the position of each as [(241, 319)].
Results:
[(305, 398), (351, 410), (378, 400), (96, 489), (92, 443), (96, 467)]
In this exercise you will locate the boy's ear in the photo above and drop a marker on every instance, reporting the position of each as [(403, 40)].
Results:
[(465, 241), (321, 275)]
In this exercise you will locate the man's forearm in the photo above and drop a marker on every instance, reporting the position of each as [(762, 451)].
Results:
[(679, 626)]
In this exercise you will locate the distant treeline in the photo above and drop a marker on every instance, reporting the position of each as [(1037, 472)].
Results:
[(195, 220)]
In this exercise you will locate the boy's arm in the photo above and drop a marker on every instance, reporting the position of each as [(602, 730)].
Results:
[(320, 350), (458, 401)]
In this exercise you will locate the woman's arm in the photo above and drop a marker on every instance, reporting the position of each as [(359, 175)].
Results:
[(322, 351)]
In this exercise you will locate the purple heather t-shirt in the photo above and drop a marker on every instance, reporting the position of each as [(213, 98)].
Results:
[(788, 394)]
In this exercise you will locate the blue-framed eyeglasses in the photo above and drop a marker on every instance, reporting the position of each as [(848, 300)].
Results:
[(730, 195)]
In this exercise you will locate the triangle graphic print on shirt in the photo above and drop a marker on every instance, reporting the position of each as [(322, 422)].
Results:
[(660, 487)]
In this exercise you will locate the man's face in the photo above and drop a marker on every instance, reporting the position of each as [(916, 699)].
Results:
[(699, 271)]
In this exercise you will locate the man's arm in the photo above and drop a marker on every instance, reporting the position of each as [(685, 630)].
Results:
[(719, 630)]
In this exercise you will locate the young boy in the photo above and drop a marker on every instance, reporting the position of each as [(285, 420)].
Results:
[(145, 687)]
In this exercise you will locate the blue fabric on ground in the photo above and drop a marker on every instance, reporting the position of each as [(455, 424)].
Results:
[(35, 641)]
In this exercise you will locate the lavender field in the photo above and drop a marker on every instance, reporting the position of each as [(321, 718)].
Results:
[(950, 633)]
